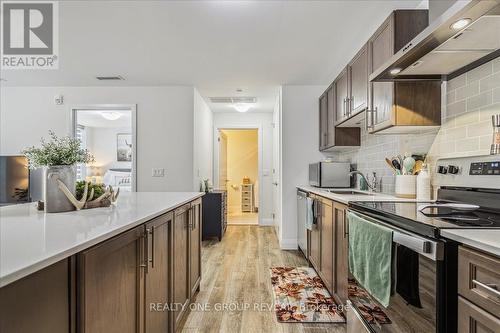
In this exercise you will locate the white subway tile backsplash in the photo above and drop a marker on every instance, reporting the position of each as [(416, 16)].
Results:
[(480, 100), (490, 82), (470, 100), (480, 72)]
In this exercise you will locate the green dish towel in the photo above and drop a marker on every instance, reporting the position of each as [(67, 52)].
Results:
[(370, 256)]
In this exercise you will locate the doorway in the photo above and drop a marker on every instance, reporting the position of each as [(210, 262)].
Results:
[(238, 173), (109, 133)]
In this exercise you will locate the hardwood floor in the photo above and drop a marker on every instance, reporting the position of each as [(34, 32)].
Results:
[(236, 273)]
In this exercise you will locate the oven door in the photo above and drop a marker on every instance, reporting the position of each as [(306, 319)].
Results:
[(414, 304)]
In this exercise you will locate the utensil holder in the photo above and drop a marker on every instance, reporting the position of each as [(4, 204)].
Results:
[(406, 186)]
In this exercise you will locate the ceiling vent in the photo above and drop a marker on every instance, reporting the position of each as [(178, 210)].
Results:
[(110, 78), (233, 100)]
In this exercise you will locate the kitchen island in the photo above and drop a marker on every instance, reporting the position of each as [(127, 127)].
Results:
[(99, 270)]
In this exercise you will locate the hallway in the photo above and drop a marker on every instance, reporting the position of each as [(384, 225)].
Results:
[(236, 273)]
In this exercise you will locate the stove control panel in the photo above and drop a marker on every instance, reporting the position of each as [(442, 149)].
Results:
[(484, 169)]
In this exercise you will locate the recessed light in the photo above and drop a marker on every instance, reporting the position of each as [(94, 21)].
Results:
[(110, 115), (242, 107), (395, 71), (460, 24), (110, 78)]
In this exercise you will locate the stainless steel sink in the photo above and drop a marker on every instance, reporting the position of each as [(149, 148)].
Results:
[(349, 192)]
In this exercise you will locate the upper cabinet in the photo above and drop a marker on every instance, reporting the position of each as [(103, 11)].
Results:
[(400, 107), (331, 137), (352, 91)]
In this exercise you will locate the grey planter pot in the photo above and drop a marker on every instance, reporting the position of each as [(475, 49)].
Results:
[(55, 200)]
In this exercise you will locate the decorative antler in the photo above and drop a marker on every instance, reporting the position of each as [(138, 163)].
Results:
[(79, 204)]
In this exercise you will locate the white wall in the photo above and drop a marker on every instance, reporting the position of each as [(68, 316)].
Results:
[(203, 141), (101, 142), (264, 122), (277, 179), (300, 132), (164, 125)]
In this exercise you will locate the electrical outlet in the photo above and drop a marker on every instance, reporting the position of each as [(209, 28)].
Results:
[(158, 172)]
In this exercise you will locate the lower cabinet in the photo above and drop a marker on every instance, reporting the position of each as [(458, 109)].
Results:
[(180, 263), (38, 302), (315, 238), (110, 285), (195, 247), (341, 246), (473, 319), (328, 246), (157, 272), (326, 270)]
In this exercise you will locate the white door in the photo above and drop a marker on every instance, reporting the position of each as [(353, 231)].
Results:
[(222, 161)]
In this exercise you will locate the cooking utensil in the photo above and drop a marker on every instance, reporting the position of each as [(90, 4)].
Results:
[(389, 163), (396, 165), (453, 206), (418, 167), (408, 165)]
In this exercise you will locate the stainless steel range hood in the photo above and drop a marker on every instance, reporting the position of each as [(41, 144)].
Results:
[(445, 48)]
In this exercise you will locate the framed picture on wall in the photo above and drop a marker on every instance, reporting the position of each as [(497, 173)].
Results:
[(124, 147)]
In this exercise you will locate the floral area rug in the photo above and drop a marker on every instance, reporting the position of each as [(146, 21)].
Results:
[(301, 296), (368, 308)]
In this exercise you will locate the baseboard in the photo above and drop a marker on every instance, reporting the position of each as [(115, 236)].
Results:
[(289, 244), (266, 222)]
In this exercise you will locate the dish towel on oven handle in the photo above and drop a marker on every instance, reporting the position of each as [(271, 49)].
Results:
[(370, 257)]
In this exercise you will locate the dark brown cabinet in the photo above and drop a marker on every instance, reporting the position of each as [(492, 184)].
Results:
[(358, 83), (38, 303), (180, 262), (341, 249), (315, 238), (400, 107), (331, 137), (214, 214), (328, 250), (195, 247), (157, 277), (341, 85), (473, 319), (110, 285)]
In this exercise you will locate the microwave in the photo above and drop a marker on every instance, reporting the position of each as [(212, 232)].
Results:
[(330, 174)]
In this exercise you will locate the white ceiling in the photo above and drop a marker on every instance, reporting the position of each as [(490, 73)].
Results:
[(218, 46), (94, 118)]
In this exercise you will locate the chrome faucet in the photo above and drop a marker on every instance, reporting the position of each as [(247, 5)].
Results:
[(372, 185)]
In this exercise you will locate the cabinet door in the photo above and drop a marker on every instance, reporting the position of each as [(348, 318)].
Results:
[(111, 280), (157, 272), (315, 247), (327, 244), (330, 94), (341, 265), (381, 47), (358, 72), (323, 122), (195, 247), (473, 319), (38, 302), (180, 263), (341, 94)]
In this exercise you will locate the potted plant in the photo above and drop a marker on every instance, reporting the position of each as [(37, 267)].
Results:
[(58, 157)]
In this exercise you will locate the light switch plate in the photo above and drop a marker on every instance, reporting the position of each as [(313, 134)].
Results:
[(158, 172)]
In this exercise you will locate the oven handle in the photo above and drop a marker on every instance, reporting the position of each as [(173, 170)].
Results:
[(428, 248)]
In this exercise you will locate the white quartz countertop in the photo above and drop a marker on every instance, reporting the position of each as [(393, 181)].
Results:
[(31, 240), (346, 198), (487, 240)]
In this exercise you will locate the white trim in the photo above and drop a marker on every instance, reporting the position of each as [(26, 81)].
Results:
[(289, 244), (215, 177), (266, 222), (129, 107)]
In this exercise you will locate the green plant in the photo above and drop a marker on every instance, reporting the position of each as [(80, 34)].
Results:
[(57, 151), (99, 189)]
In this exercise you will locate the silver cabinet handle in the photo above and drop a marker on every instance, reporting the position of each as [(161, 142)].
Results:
[(152, 260), (491, 288), (344, 223), (146, 251)]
